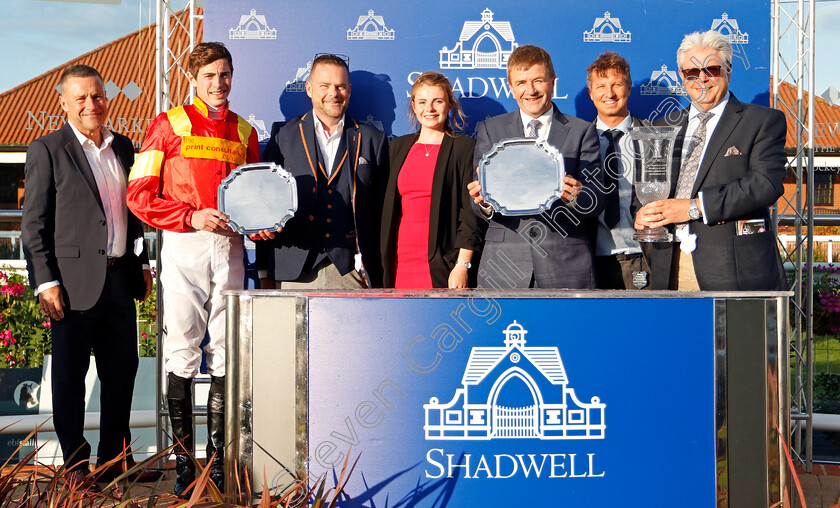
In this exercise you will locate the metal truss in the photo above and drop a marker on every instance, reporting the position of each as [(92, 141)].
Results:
[(175, 35), (797, 28)]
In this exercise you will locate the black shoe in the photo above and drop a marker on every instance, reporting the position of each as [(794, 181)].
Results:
[(114, 471)]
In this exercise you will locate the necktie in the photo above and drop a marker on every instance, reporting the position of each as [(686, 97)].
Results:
[(533, 128), (612, 171), (691, 158)]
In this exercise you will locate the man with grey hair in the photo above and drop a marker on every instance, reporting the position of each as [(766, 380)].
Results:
[(729, 165)]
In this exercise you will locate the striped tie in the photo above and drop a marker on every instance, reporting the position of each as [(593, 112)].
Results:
[(691, 158)]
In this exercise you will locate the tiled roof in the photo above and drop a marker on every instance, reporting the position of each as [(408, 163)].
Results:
[(31, 109), (826, 119)]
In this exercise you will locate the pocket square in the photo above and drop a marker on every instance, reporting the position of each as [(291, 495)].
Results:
[(732, 150), (362, 160)]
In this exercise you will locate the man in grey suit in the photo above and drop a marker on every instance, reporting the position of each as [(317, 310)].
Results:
[(84, 253), (552, 249), (619, 263), (729, 165)]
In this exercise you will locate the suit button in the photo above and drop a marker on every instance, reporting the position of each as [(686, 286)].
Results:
[(329, 191), (313, 190), (327, 235), (311, 217), (329, 220), (532, 234), (329, 206), (103, 222), (101, 252)]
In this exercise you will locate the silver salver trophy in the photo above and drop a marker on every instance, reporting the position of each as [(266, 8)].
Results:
[(521, 176), (258, 196), (652, 182)]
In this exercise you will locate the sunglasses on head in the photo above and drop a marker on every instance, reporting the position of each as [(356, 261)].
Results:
[(335, 58), (694, 72)]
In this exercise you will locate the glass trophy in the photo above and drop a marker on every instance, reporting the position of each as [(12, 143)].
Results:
[(652, 182), (258, 196), (521, 176)]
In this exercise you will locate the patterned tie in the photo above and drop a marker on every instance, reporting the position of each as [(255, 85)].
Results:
[(533, 128), (612, 169), (691, 158)]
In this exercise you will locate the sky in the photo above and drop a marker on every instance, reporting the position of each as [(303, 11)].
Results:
[(38, 35)]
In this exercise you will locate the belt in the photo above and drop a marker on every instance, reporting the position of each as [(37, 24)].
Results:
[(112, 260)]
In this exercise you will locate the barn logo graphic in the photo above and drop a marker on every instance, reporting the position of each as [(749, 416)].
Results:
[(511, 392), (729, 27), (662, 82), (370, 28), (259, 126), (252, 26), (298, 84), (484, 44), (606, 29)]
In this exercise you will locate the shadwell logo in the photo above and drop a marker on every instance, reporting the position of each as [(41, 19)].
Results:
[(252, 26), (484, 44), (606, 29), (514, 392), (729, 27)]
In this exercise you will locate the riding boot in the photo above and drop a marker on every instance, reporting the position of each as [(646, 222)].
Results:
[(216, 431), (179, 401)]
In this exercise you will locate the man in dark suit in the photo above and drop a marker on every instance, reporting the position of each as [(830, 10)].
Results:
[(341, 170), (619, 263), (552, 249), (85, 256), (729, 168)]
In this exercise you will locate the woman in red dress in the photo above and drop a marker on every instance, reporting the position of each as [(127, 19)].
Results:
[(430, 235)]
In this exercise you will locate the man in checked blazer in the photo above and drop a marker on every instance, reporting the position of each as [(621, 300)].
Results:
[(85, 255), (341, 170), (729, 165)]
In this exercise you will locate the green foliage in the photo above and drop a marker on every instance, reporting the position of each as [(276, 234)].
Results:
[(24, 332), (147, 324), (827, 393), (25, 335)]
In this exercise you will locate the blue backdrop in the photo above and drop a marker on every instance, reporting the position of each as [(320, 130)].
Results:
[(390, 43), (377, 364)]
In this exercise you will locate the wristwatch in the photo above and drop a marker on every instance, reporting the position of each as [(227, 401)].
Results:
[(465, 264), (693, 211)]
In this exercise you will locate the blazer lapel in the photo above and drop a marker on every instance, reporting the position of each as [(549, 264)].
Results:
[(401, 154), (559, 129), (77, 155), (348, 150), (307, 135), (728, 121), (441, 165), (515, 129), (676, 162)]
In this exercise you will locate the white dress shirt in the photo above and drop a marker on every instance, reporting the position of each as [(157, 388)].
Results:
[(545, 120), (619, 240), (711, 125), (328, 144)]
